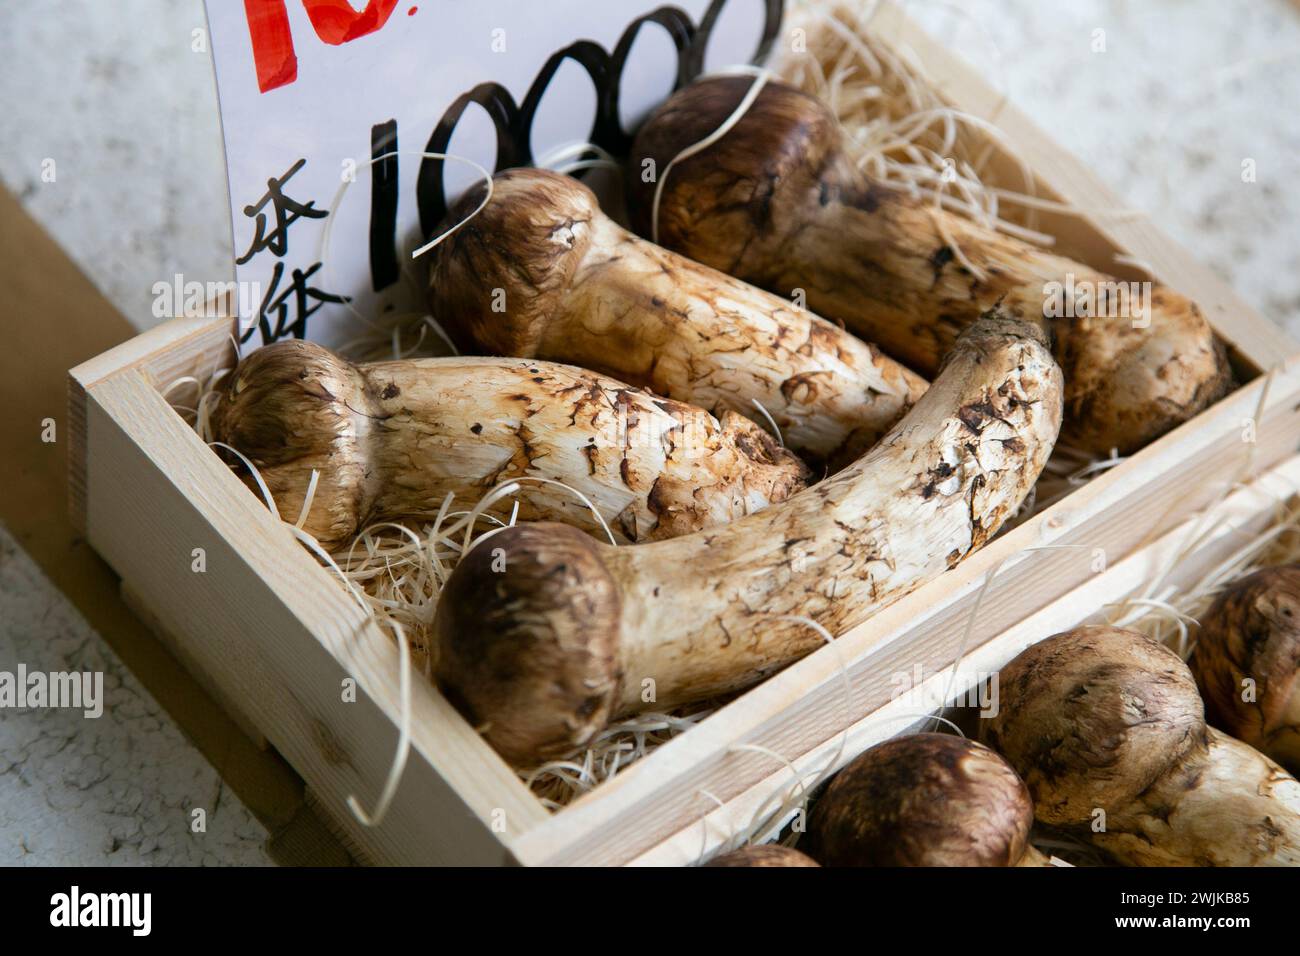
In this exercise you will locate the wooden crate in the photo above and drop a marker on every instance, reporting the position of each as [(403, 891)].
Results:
[(275, 635)]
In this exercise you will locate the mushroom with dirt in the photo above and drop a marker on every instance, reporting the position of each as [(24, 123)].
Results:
[(541, 272), (762, 855), (1247, 662), (1108, 731), (924, 799), (391, 440), (547, 634), (778, 201)]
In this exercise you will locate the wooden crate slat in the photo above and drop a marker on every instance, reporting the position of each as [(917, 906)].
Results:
[(165, 353)]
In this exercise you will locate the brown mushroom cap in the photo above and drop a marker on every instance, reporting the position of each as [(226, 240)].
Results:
[(549, 677), (721, 199), (769, 854), (529, 239), (1092, 717), (285, 407), (922, 800), (1253, 631), (281, 402)]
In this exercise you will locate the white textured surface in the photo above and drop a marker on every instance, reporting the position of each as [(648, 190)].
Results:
[(1184, 92), (115, 95), (114, 790)]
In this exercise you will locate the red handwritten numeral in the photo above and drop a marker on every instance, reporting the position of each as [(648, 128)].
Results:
[(268, 27), (335, 22)]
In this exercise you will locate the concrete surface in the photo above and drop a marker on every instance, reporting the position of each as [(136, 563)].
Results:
[(119, 789)]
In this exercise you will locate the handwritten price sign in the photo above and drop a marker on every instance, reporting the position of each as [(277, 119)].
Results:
[(328, 105)]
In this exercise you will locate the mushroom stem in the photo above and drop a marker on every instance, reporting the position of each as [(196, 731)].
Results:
[(542, 272), (1247, 662), (1107, 729), (778, 201), (571, 632), (392, 440), (924, 800), (1226, 805)]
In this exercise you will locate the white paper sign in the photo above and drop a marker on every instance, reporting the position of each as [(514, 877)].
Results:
[(333, 101)]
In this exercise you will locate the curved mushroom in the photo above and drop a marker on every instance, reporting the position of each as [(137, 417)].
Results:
[(777, 201), (391, 440), (541, 654), (767, 854), (541, 272), (924, 800), (1247, 662), (1108, 732)]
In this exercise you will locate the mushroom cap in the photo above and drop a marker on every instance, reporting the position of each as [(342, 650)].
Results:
[(740, 197), (1252, 630), (922, 800), (1092, 717), (524, 245), (527, 632), (767, 854), (293, 406), (283, 402)]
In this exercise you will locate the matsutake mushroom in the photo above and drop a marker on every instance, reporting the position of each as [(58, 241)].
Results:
[(390, 440), (924, 800), (767, 854), (1247, 662), (1108, 731), (545, 634), (542, 272), (779, 202)]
